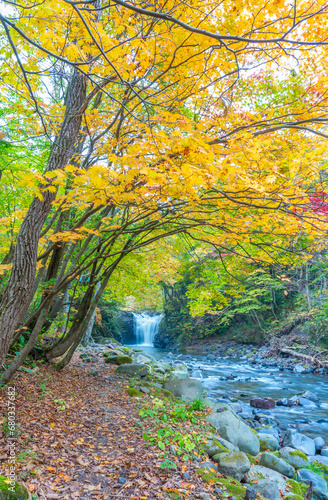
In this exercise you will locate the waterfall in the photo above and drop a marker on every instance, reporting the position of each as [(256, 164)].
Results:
[(146, 327)]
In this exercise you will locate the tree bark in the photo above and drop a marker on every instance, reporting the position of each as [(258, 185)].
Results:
[(16, 297), (24, 352)]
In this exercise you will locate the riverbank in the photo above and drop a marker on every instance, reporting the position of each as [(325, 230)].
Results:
[(111, 425), (79, 435), (287, 355)]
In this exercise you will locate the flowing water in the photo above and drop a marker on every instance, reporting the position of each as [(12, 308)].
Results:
[(258, 381), (145, 327)]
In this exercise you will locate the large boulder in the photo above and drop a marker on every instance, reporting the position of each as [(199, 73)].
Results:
[(235, 464), (231, 427), (319, 484), (296, 458), (299, 441), (133, 369), (258, 472), (278, 464), (185, 388)]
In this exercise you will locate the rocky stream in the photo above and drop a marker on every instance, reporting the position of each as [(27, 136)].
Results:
[(269, 417)]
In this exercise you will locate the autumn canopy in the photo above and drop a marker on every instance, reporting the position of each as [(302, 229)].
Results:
[(127, 123)]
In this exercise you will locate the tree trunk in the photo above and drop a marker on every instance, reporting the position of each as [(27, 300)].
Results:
[(24, 352), (89, 329), (64, 343), (16, 297)]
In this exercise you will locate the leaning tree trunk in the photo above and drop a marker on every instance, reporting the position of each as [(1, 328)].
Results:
[(16, 297), (25, 351)]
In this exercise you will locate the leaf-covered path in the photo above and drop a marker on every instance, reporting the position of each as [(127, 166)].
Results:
[(79, 436)]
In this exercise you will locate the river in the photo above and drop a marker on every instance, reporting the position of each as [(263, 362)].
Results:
[(253, 381)]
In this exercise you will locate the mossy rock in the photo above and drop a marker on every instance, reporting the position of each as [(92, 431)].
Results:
[(214, 448), (134, 393), (162, 394), (10, 490), (233, 487), (124, 360), (296, 488), (298, 453), (294, 497), (111, 354), (111, 360), (126, 349), (251, 459), (217, 457)]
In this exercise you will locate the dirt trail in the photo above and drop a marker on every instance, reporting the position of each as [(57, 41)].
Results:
[(79, 437)]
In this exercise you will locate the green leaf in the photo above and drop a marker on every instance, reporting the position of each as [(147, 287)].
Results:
[(161, 445)]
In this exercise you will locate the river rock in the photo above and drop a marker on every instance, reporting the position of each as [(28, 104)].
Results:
[(262, 403), (266, 488), (233, 429), (284, 402), (311, 396), (295, 457), (258, 472), (268, 442), (185, 388), (278, 464), (299, 441), (319, 484), (320, 459), (319, 443), (141, 359), (208, 465), (235, 464), (272, 430), (324, 452), (307, 403), (134, 369), (299, 368), (227, 444), (179, 374)]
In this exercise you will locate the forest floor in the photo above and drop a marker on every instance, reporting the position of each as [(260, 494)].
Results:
[(79, 436)]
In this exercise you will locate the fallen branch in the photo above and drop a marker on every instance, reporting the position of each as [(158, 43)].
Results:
[(306, 357)]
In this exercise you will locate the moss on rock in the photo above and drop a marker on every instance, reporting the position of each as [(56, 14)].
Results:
[(111, 360), (124, 360), (294, 497), (134, 393), (233, 487), (10, 490), (297, 488), (163, 394), (298, 453), (251, 459)]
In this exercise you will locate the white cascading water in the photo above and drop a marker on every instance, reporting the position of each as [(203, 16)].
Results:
[(146, 327)]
